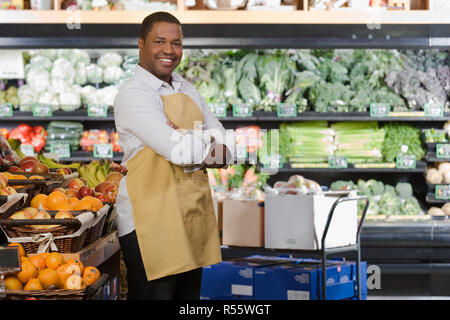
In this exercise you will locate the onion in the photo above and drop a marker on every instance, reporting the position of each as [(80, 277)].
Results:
[(446, 208), (444, 167), (435, 211), (433, 176)]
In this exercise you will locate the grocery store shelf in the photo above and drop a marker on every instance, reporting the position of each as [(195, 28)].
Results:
[(88, 156), (287, 168), (430, 198), (78, 115), (366, 17), (431, 157)]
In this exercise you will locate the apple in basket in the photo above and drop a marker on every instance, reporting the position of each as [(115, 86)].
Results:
[(42, 214), (32, 211), (19, 215), (76, 184), (64, 171), (3, 180), (63, 215), (15, 169), (7, 191)]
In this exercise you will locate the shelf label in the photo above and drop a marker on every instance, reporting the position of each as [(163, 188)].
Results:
[(6, 110), (9, 259), (272, 162), (286, 110), (337, 162), (97, 111), (27, 149), (219, 110), (442, 191), (42, 110), (242, 110), (404, 161), (11, 64), (379, 109), (241, 151), (60, 149), (443, 150), (103, 150), (434, 109)]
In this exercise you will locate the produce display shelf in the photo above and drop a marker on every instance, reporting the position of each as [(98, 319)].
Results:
[(287, 168), (331, 116), (88, 156), (431, 157), (81, 115), (78, 115), (430, 198)]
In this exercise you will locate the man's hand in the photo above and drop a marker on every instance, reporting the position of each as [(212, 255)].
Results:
[(217, 157), (170, 124)]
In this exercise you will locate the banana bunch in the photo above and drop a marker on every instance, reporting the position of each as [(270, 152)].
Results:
[(95, 172), (52, 164)]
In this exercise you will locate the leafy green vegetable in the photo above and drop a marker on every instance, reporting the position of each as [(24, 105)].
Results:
[(404, 190), (401, 139)]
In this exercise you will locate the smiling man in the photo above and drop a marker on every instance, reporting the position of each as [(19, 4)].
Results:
[(165, 217)]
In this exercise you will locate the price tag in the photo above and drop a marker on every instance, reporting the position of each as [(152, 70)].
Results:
[(286, 110), (6, 110), (60, 149), (242, 110), (11, 64), (442, 191), (241, 151), (434, 109), (337, 162), (103, 150), (443, 150), (218, 109), (379, 109), (9, 259), (98, 111), (27, 149), (406, 162), (42, 110), (272, 162)]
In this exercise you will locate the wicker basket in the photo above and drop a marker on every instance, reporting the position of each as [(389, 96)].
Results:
[(96, 231), (52, 180), (59, 294), (30, 186), (11, 204), (63, 228)]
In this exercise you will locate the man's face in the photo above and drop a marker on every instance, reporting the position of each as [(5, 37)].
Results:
[(162, 50)]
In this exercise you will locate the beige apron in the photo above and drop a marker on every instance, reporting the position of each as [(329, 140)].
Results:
[(173, 211)]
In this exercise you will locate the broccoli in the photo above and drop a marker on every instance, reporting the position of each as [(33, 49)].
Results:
[(373, 208), (390, 204), (404, 190), (363, 188), (411, 206), (389, 189), (339, 184), (376, 187)]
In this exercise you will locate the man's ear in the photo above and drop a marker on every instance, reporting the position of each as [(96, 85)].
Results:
[(140, 43)]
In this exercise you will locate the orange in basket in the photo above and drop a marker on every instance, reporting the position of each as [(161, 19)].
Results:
[(39, 261), (49, 279), (29, 271), (55, 199), (54, 260), (33, 284), (39, 199)]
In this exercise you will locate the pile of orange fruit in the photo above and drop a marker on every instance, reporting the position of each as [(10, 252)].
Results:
[(57, 200), (49, 271)]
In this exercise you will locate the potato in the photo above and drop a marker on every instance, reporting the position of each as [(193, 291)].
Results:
[(446, 208)]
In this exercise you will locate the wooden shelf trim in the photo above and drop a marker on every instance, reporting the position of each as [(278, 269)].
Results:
[(370, 18)]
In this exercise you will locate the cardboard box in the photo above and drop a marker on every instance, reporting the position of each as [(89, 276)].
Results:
[(96, 253), (303, 281), (242, 223), (298, 222), (233, 279), (280, 278)]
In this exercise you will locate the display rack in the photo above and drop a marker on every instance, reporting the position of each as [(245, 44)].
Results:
[(243, 29)]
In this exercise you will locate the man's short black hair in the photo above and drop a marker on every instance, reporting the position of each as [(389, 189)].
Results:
[(160, 16)]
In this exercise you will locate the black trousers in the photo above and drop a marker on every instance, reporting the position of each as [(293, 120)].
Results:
[(182, 286)]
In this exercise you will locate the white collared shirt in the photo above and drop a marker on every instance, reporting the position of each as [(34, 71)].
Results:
[(140, 121)]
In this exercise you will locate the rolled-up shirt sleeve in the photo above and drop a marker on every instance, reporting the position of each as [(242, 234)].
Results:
[(140, 113), (214, 127)]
